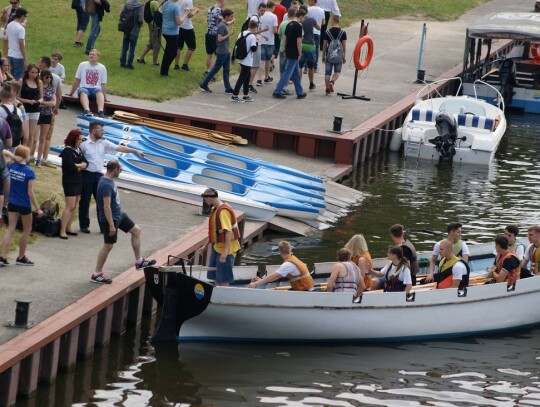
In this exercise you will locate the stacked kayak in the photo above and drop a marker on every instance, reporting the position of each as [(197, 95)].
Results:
[(177, 163)]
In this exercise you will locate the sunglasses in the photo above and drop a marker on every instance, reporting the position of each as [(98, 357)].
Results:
[(209, 196)]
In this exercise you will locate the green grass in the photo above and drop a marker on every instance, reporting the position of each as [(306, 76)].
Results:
[(51, 27)]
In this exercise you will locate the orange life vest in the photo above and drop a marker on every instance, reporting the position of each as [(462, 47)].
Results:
[(367, 257), (445, 269), (304, 281), (534, 258), (216, 234), (513, 274)]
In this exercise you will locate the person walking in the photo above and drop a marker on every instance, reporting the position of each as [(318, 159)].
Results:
[(154, 37), (96, 9), (293, 52), (245, 64), (21, 202), (111, 219), (223, 54), (83, 18), (16, 34), (224, 235), (73, 164), (94, 149)]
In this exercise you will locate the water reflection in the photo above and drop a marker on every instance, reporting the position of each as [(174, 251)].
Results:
[(483, 371)]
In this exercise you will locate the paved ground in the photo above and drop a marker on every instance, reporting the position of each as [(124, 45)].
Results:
[(63, 268)]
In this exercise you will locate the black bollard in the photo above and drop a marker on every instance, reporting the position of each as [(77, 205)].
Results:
[(21, 315), (420, 76), (337, 124)]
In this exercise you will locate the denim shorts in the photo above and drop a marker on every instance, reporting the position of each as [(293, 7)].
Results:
[(328, 68), (89, 91), (266, 52), (224, 271), (307, 59)]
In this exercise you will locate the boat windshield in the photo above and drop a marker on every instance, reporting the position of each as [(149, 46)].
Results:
[(463, 106)]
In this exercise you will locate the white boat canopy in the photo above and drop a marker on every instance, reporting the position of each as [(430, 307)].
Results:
[(506, 25)]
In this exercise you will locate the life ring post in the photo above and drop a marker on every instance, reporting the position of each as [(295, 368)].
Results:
[(360, 64), (421, 73)]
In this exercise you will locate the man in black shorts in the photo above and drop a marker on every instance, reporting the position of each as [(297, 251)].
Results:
[(111, 218)]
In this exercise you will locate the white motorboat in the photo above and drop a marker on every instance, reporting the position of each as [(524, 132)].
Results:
[(516, 72), (459, 129)]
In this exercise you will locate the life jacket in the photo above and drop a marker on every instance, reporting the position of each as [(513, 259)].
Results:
[(515, 245), (444, 275), (216, 233), (367, 257), (414, 266), (304, 281), (513, 274), (393, 283), (534, 258), (350, 281)]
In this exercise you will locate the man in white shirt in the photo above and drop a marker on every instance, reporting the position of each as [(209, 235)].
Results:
[(253, 6), (268, 19), (94, 150), (328, 6), (460, 248), (91, 81), (16, 34), (317, 13)]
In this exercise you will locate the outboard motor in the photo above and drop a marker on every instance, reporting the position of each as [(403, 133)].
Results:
[(445, 142), (507, 76)]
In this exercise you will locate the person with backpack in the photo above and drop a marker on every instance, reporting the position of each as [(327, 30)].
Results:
[(131, 20), (154, 33), (333, 53), (214, 16), (245, 46)]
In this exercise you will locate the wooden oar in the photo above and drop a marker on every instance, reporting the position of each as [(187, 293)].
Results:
[(183, 129)]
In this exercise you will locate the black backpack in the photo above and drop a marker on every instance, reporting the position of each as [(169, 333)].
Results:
[(148, 17), (240, 50), (15, 124), (126, 22), (158, 16)]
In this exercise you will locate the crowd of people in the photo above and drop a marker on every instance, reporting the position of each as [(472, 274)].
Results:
[(353, 272)]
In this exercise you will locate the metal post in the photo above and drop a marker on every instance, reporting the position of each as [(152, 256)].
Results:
[(21, 315), (420, 73)]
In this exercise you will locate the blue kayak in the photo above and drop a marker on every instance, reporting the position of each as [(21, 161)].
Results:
[(256, 167)]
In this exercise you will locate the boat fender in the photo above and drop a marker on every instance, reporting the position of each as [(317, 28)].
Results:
[(535, 50), (359, 64), (395, 142)]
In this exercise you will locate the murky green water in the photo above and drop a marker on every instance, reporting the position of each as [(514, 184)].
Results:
[(501, 370)]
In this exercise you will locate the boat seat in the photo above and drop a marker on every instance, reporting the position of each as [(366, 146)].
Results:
[(470, 120), (424, 115)]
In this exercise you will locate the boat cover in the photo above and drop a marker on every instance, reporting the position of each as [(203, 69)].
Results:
[(506, 25)]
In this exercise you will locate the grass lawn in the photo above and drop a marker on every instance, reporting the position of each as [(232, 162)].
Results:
[(51, 27)]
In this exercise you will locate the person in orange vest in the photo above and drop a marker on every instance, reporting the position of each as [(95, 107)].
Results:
[(506, 265), (453, 272), (292, 268), (224, 235), (532, 254)]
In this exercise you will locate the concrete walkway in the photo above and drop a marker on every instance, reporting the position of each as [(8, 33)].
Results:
[(62, 270)]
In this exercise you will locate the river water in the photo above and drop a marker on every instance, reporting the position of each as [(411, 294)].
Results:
[(497, 370)]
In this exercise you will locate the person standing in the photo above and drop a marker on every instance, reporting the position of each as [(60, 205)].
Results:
[(129, 42), (94, 149), (46, 114), (245, 64), (16, 34), (223, 235), (154, 38), (8, 15), (293, 51), (83, 18), (307, 60), (172, 19), (21, 202), (317, 13), (267, 42), (30, 96), (73, 164), (223, 54), (91, 81), (186, 35), (293, 268), (328, 6), (214, 16), (95, 9), (111, 219)]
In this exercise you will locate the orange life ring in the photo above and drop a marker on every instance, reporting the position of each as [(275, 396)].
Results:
[(535, 50), (358, 64)]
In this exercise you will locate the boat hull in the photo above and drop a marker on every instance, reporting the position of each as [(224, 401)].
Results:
[(240, 314)]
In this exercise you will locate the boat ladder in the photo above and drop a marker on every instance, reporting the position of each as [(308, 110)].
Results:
[(413, 147)]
